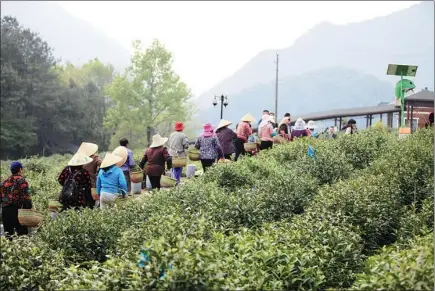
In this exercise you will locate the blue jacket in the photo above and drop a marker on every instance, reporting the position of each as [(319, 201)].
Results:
[(111, 180)]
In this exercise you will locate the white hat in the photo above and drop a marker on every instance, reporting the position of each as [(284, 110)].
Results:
[(88, 148), (158, 141), (300, 124), (79, 159), (110, 160), (223, 123), (248, 118), (122, 152), (311, 124)]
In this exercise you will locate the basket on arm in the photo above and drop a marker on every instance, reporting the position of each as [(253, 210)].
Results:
[(179, 162), (136, 177), (250, 146), (193, 155), (167, 182), (30, 217)]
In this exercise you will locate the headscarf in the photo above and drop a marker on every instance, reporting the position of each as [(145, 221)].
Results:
[(300, 124), (264, 121)]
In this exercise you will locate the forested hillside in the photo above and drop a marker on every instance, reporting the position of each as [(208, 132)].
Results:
[(50, 108)]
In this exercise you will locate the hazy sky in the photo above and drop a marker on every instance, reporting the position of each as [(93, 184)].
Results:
[(211, 40)]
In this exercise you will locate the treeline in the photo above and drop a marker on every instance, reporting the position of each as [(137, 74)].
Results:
[(48, 108)]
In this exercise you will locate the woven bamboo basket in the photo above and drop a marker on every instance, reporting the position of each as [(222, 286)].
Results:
[(136, 177), (179, 162), (279, 139), (167, 182), (250, 146), (259, 141), (94, 194), (193, 155), (54, 205), (30, 217)]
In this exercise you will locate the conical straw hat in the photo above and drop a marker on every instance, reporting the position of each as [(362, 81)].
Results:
[(110, 160), (121, 152), (248, 118), (223, 123), (79, 159), (88, 148), (158, 141)]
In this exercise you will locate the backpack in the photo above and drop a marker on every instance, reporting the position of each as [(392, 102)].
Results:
[(70, 190)]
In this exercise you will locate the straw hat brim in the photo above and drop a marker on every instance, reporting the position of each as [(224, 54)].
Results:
[(223, 123), (248, 118), (121, 152), (159, 142), (79, 159), (88, 148), (110, 160)]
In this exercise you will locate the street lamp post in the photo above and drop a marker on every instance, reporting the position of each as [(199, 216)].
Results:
[(223, 100)]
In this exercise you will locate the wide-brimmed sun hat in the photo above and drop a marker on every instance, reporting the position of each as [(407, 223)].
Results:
[(248, 118), (79, 159), (110, 160), (311, 125), (158, 141), (88, 148), (122, 152), (179, 126), (223, 123)]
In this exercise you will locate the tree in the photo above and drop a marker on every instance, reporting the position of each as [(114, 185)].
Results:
[(147, 96), (26, 81), (47, 109)]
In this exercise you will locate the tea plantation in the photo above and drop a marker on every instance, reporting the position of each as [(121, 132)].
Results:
[(357, 216)]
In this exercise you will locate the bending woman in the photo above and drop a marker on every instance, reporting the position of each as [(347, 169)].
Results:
[(110, 180)]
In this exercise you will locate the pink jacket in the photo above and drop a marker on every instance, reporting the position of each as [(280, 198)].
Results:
[(266, 133)]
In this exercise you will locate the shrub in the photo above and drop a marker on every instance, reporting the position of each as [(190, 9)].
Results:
[(363, 148), (400, 269), (89, 235), (26, 264), (368, 202)]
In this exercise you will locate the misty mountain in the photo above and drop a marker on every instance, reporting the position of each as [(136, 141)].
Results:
[(404, 37), (328, 89), (71, 38)]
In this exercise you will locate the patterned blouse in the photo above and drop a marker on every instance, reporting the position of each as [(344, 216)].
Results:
[(15, 191), (83, 180), (209, 148)]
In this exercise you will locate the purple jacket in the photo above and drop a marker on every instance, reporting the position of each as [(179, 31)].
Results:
[(129, 164), (299, 133), (226, 139)]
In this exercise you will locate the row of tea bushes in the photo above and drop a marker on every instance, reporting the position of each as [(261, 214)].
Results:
[(400, 269), (260, 223)]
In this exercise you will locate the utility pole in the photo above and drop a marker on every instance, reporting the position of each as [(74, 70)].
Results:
[(276, 86)]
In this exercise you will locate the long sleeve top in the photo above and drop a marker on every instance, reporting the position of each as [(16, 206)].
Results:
[(209, 148), (226, 139), (129, 164), (83, 181), (15, 192), (111, 180), (244, 131), (266, 132), (155, 158)]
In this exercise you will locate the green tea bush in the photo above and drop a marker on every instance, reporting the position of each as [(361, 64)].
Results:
[(27, 264), (363, 148), (416, 222), (368, 202), (280, 220), (409, 162), (400, 269), (89, 235)]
